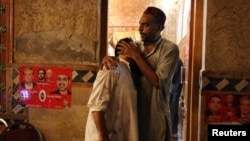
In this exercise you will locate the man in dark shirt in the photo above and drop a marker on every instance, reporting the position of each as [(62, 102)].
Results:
[(175, 92)]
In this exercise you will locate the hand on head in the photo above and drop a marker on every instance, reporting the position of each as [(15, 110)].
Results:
[(109, 62), (125, 46), (128, 49)]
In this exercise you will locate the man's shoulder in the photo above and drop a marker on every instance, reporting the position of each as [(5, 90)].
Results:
[(104, 70), (167, 46), (108, 73), (168, 42)]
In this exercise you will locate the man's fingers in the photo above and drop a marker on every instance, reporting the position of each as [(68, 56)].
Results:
[(108, 62)]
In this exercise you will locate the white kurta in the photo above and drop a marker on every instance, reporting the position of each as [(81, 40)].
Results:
[(114, 93)]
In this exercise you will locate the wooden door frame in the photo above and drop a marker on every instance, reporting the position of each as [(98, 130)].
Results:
[(194, 67), (195, 57), (103, 28)]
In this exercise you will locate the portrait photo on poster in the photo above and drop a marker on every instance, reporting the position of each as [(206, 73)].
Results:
[(227, 108), (45, 87)]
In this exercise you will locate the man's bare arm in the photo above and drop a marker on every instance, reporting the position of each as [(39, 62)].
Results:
[(99, 119), (130, 50)]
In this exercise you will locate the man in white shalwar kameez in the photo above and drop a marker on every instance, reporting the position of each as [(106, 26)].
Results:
[(113, 105)]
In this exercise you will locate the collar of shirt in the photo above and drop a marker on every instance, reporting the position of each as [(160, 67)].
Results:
[(123, 61), (155, 47)]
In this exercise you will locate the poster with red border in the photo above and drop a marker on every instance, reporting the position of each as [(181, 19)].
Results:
[(45, 87), (227, 108)]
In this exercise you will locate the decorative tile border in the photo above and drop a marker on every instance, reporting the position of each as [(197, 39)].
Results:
[(86, 76), (225, 84)]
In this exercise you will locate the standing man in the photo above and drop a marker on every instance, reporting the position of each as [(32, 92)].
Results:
[(156, 58), (112, 103), (175, 92)]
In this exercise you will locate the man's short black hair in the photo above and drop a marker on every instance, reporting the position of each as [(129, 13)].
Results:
[(127, 39)]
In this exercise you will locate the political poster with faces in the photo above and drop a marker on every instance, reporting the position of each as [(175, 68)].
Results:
[(227, 108), (45, 87)]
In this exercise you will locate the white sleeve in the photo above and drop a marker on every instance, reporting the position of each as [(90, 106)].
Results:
[(103, 88)]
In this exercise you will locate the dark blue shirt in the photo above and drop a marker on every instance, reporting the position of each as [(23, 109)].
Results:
[(176, 84)]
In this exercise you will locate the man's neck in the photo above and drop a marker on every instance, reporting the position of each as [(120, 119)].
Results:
[(152, 42), (150, 45), (64, 92)]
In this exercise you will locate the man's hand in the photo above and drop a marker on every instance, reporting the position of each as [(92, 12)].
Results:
[(129, 49), (109, 62)]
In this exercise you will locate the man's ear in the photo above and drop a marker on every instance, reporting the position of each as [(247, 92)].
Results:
[(160, 27)]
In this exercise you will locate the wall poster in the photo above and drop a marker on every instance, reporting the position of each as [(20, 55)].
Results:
[(227, 108), (45, 87)]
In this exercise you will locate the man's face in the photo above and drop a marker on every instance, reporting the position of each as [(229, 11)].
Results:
[(148, 28), (245, 106), (230, 98), (28, 76), (215, 104), (49, 74), (62, 82), (41, 74)]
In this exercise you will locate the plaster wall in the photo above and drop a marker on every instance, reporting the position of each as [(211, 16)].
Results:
[(57, 34), (227, 39), (226, 60)]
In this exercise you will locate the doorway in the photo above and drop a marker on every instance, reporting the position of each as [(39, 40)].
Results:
[(123, 22)]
